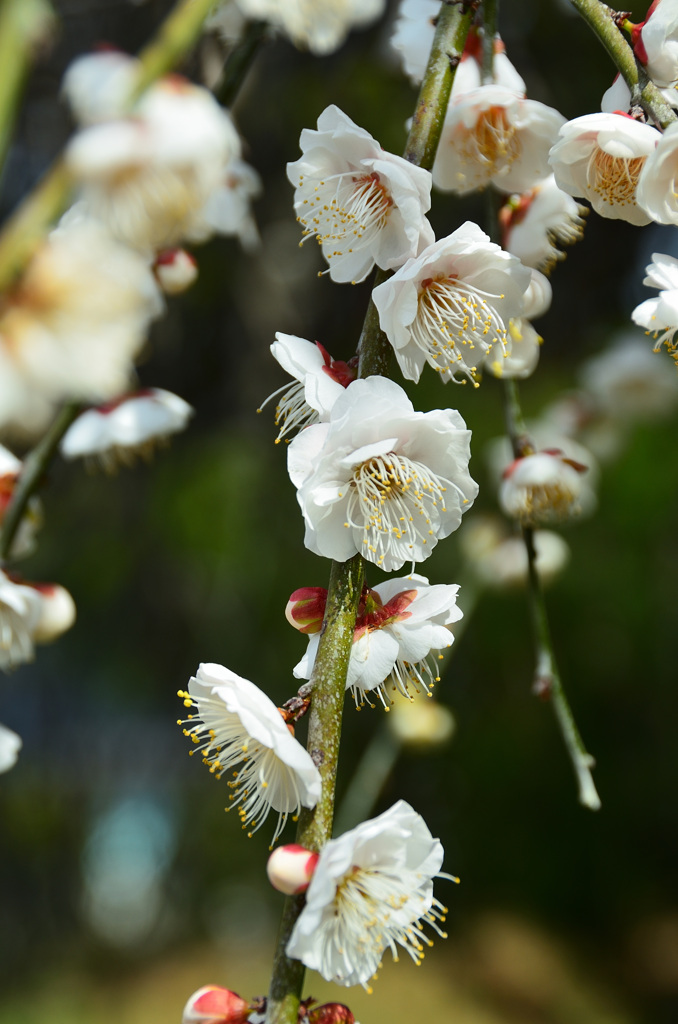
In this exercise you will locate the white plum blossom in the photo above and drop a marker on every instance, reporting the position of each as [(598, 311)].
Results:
[(629, 383), (228, 209), (544, 487), (413, 37), (234, 722), (74, 323), (517, 359), (149, 176), (656, 185), (131, 425), (600, 157), (380, 479), (57, 612), (364, 205), (659, 316), (400, 624), (448, 306), (502, 562), (98, 85), (372, 890), (10, 745), (535, 223), (318, 382), (20, 610), (492, 135), (320, 26), (657, 46)]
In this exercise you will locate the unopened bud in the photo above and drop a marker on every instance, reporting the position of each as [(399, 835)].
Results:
[(214, 1005), (57, 612), (331, 1013), (306, 609), (175, 270), (290, 869)]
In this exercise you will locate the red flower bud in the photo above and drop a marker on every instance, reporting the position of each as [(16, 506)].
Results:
[(290, 868), (331, 1013), (306, 609), (214, 1005)]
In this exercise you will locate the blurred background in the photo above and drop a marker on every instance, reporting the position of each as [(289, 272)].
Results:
[(125, 887)]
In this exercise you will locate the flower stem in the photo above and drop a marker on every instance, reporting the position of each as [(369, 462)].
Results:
[(452, 27), (33, 470), (239, 61), (644, 93), (327, 686), (24, 24), (30, 222), (547, 682)]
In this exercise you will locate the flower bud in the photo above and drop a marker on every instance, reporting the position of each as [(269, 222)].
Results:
[(175, 270), (331, 1013), (57, 612), (290, 868), (214, 1005), (306, 609)]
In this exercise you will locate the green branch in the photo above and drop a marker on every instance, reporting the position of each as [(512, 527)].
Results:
[(33, 470), (644, 93), (547, 682)]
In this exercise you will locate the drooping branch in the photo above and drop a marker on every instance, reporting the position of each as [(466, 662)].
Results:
[(644, 93)]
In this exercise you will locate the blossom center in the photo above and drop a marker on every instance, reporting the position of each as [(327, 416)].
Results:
[(493, 142), (346, 209), (396, 502), (452, 319), (614, 178), (381, 908)]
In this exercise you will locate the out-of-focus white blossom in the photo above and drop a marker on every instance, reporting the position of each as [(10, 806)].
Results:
[(535, 223), (400, 624), (236, 722), (320, 26), (450, 305), (544, 487), (150, 176), (130, 426), (600, 157), (228, 21), (228, 210), (372, 890), (319, 380), (501, 561), (492, 135), (10, 745), (421, 725), (72, 326), (20, 610), (659, 316), (380, 479), (98, 85), (628, 382), (363, 205), (175, 270)]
